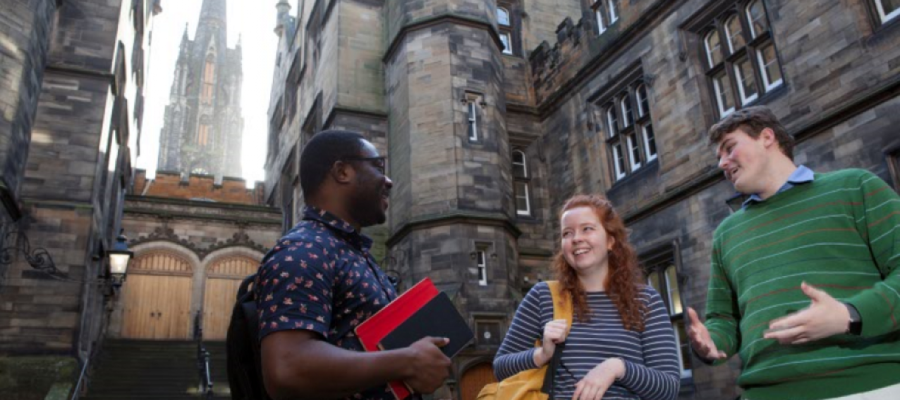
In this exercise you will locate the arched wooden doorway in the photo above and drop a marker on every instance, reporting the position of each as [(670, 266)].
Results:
[(222, 281), (474, 379), (157, 297)]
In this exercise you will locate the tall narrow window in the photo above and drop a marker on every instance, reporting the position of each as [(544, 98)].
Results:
[(209, 79), (521, 184), (472, 120), (887, 9), (746, 67), (768, 63), (662, 275), (505, 25), (627, 116), (724, 98), (643, 105), (601, 18), (481, 265), (613, 10), (203, 134)]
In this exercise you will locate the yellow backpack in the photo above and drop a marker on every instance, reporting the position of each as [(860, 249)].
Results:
[(533, 384)]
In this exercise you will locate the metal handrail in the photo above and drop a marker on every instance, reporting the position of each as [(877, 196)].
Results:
[(76, 393), (206, 383)]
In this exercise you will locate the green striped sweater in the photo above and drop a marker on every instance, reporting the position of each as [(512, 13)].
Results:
[(839, 233)]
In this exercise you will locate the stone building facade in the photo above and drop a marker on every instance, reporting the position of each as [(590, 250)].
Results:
[(485, 140), (71, 93), (194, 242), (203, 127)]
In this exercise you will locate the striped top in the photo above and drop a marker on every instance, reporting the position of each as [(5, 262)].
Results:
[(839, 233), (651, 357)]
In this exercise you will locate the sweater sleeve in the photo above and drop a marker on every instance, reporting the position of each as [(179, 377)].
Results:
[(878, 220), (722, 311), (659, 377), (516, 353)]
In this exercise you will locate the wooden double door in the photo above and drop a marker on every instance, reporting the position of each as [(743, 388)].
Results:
[(157, 296)]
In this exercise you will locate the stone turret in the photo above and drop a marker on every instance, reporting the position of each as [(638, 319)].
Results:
[(283, 15)]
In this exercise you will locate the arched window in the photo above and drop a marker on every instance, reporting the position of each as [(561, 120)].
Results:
[(756, 16), (505, 25), (734, 32), (520, 167), (713, 48), (209, 79)]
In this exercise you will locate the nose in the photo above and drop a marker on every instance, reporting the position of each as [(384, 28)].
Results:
[(723, 163), (388, 183)]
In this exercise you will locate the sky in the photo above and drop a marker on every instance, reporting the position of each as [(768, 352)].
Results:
[(256, 26)]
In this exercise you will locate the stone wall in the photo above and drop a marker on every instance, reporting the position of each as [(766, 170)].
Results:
[(25, 29)]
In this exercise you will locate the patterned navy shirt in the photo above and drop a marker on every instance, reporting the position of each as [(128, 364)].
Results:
[(321, 277)]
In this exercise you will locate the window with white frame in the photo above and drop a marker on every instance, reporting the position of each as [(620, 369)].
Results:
[(521, 183), (662, 275), (473, 109), (888, 10), (628, 129), (505, 24), (607, 13), (740, 57), (481, 265)]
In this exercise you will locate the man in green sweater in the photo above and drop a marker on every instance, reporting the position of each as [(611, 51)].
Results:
[(805, 277)]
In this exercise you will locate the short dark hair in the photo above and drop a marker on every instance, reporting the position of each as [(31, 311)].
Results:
[(321, 152), (752, 120)]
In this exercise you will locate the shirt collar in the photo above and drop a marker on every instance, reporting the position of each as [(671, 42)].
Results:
[(334, 222), (800, 175)]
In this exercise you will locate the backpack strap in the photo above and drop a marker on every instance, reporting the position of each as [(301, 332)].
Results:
[(562, 309)]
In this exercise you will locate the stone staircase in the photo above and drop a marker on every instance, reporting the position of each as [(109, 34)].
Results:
[(155, 370)]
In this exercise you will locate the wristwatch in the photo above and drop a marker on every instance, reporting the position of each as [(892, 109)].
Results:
[(854, 326)]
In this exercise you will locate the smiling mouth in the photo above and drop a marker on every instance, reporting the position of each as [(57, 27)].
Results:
[(580, 252)]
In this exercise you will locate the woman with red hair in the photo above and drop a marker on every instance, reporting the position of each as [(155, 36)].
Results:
[(621, 344)]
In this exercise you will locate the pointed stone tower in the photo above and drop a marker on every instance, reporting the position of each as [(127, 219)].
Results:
[(203, 122)]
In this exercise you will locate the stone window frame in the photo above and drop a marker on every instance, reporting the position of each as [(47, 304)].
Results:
[(740, 61), (664, 264), (521, 179), (607, 13), (883, 16), (510, 32), (625, 123)]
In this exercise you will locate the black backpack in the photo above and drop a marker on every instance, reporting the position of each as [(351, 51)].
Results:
[(242, 347)]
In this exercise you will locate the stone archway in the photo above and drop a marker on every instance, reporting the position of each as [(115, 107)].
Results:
[(157, 297)]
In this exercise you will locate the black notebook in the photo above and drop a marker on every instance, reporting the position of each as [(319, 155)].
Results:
[(438, 318)]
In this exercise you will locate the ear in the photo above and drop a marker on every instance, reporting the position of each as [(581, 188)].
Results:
[(610, 242), (342, 172), (767, 135)]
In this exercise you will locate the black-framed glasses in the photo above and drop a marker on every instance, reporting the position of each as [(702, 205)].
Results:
[(378, 162)]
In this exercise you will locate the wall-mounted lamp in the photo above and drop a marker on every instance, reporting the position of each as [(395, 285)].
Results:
[(119, 257)]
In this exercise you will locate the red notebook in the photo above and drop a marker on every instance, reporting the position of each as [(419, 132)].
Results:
[(374, 329)]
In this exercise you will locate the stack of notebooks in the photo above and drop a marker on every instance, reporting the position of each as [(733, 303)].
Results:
[(419, 312)]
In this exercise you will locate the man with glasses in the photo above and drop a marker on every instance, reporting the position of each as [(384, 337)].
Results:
[(320, 281)]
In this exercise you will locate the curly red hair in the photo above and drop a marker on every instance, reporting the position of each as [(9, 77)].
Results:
[(624, 279)]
